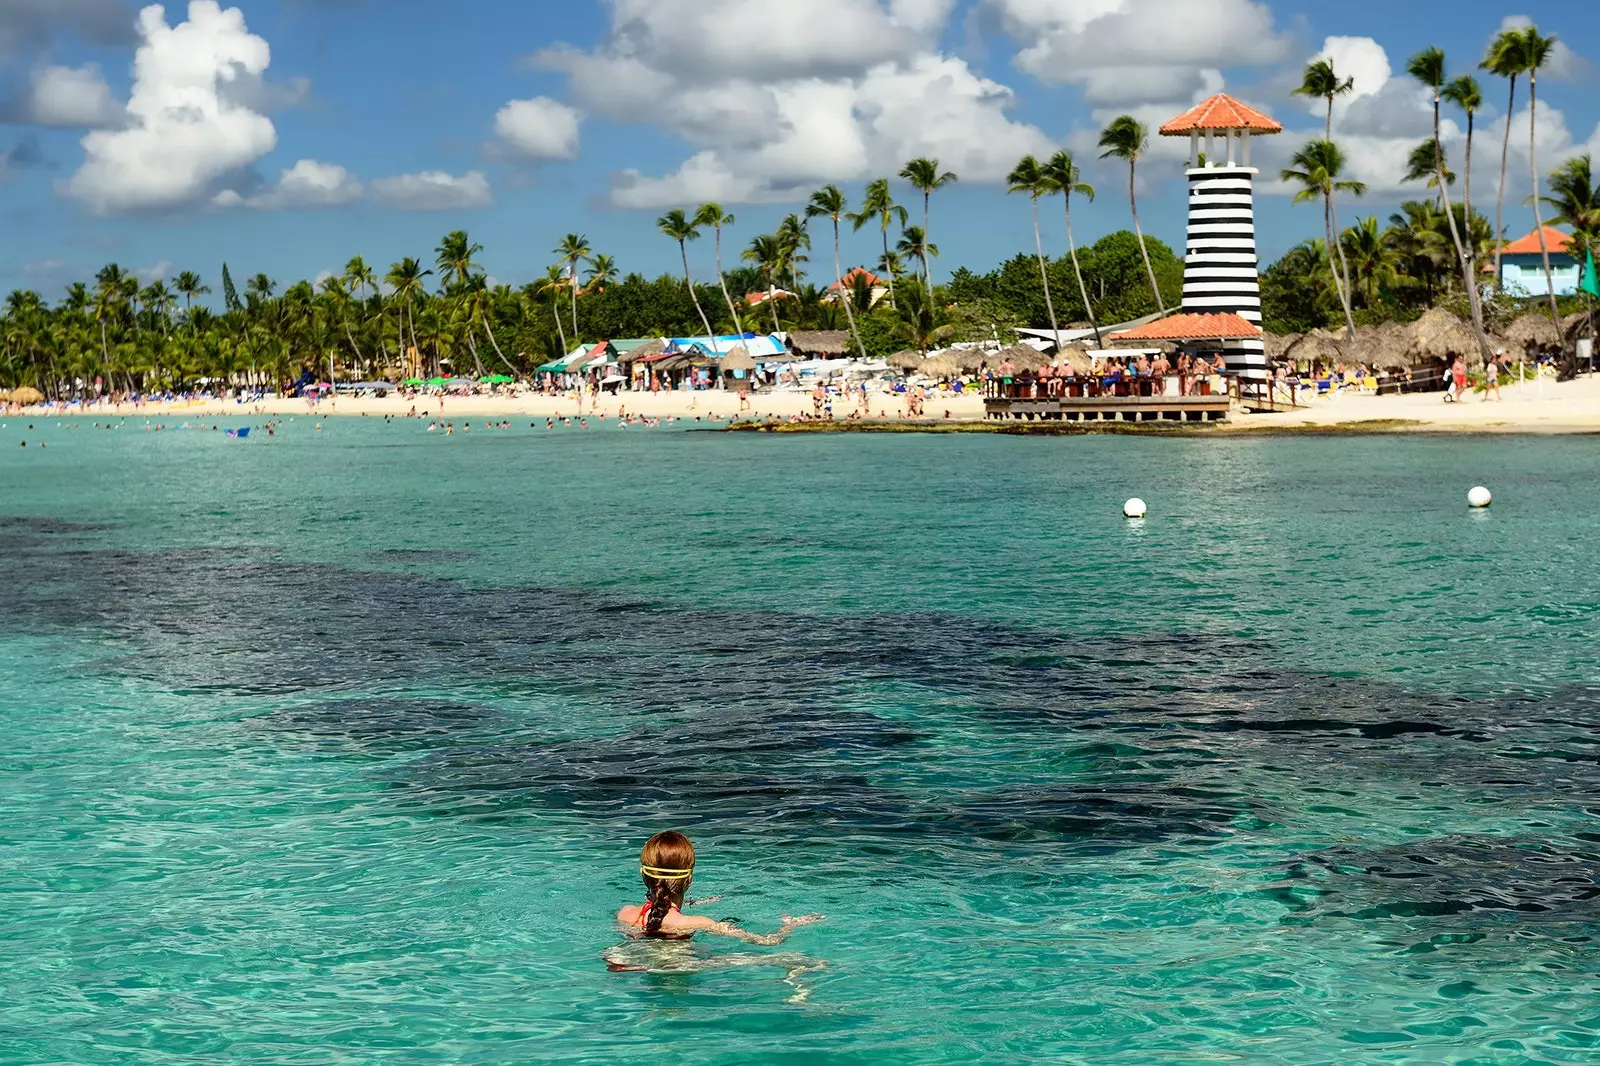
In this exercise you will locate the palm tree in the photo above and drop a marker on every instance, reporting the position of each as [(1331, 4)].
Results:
[(1428, 67), (766, 253), (1538, 49), (110, 287), (795, 240), (1027, 177), (602, 272), (573, 249), (1373, 254), (1320, 82), (1576, 200), (1417, 235), (913, 244), (551, 286), (405, 279), (1507, 57), (333, 288), (189, 286), (714, 216), (453, 257), (1465, 93), (1063, 173), (1423, 165), (924, 175), (260, 287), (358, 276), (1316, 169), (922, 322), (828, 202), (877, 203), (681, 229), (1126, 139)]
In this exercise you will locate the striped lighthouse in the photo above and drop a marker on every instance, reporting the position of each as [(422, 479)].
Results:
[(1221, 270)]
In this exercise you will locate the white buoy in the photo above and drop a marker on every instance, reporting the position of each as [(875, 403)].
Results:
[(1134, 508), (1479, 497)]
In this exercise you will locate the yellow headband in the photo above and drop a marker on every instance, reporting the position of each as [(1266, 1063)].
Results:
[(663, 874)]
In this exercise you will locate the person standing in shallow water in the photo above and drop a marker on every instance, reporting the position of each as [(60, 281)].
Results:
[(666, 865)]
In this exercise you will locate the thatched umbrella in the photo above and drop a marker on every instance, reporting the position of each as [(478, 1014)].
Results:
[(1438, 334), (1318, 346), (27, 396), (906, 360), (1278, 345), (971, 360), (1022, 357), (1076, 359), (1534, 328), (1380, 346), (943, 365), (1576, 325), (738, 358)]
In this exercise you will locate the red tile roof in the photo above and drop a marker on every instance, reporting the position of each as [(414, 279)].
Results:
[(850, 278), (1221, 112), (1191, 328), (1554, 239)]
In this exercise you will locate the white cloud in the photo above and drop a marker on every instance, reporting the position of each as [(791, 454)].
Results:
[(157, 272), (830, 90), (433, 190), (72, 97), (306, 184), (1130, 52), (540, 128), (1564, 64), (182, 135)]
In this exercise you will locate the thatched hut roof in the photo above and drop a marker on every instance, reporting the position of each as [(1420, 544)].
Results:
[(820, 342), (971, 360), (1576, 325), (655, 347), (1277, 344), (1076, 359), (1532, 328), (1318, 346), (738, 358), (1387, 345), (27, 396), (905, 360), (1439, 333), (1020, 356), (942, 365)]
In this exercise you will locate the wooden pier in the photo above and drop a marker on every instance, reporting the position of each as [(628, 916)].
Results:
[(1187, 409)]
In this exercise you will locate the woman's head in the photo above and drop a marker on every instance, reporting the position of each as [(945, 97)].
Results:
[(667, 866)]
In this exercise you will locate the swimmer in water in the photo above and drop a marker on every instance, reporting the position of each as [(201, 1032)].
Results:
[(658, 931), (667, 866)]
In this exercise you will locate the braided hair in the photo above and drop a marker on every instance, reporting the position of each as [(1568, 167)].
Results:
[(670, 850)]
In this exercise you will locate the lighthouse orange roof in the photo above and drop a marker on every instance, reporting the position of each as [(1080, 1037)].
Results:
[(1191, 327), (1221, 112)]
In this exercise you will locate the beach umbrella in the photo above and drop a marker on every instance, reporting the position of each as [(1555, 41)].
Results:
[(905, 360), (27, 396), (738, 358), (1278, 345), (1022, 357), (1439, 333), (496, 379), (1318, 346), (436, 383), (1533, 329), (943, 365), (415, 381), (1380, 346)]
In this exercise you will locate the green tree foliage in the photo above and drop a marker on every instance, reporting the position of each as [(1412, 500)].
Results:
[(1113, 273), (230, 295)]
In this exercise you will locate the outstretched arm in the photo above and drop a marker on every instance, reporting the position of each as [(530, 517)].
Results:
[(787, 926)]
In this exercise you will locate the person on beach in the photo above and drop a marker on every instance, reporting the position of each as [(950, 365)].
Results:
[(1491, 376), (1458, 375), (666, 864)]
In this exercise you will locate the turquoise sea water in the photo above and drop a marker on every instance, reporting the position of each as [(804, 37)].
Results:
[(338, 747)]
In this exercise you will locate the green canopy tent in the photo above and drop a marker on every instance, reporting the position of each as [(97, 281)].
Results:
[(496, 379)]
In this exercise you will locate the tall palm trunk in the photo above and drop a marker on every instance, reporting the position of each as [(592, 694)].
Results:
[(1538, 217), (1463, 257), (1072, 250), (845, 296), (1330, 221), (484, 316), (927, 272), (1500, 203), (555, 307), (573, 283), (886, 270), (722, 282), (1138, 231), (1044, 275), (683, 250)]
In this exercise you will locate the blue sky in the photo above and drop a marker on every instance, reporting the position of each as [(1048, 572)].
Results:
[(522, 121)]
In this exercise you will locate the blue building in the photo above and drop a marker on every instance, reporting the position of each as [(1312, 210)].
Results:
[(1522, 265)]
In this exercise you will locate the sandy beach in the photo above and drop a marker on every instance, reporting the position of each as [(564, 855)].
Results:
[(1532, 407)]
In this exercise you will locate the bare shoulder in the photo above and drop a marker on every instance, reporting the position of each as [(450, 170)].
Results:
[(629, 915)]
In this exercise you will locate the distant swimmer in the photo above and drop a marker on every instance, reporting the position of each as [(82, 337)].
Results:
[(666, 864), (659, 932)]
